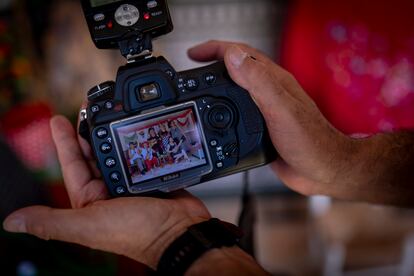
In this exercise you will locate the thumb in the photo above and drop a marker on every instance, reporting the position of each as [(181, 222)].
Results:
[(51, 224), (258, 77)]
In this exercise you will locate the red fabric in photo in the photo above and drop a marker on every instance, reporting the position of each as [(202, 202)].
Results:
[(356, 60)]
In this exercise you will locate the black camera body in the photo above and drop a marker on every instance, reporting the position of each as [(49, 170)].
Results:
[(157, 130)]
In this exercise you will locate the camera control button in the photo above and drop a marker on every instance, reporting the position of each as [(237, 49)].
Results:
[(219, 165), (231, 150), (170, 73), (152, 4), (120, 190), (210, 78), (102, 133), (127, 15), (95, 109), (220, 117), (115, 177), (99, 17), (110, 162), (109, 105), (106, 148), (191, 84), (213, 143)]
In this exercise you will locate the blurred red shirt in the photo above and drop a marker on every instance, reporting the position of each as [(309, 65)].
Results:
[(356, 60)]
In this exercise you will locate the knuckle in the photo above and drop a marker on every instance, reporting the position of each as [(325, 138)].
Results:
[(289, 77), (243, 45), (39, 224), (213, 41), (40, 231)]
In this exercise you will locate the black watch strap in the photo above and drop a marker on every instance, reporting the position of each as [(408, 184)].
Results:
[(196, 241)]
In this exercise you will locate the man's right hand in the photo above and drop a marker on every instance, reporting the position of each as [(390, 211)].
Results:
[(316, 158), (310, 148)]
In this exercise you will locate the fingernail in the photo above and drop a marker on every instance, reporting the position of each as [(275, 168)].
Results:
[(237, 56), (15, 224)]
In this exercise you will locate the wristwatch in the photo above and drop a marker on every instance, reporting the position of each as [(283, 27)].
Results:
[(196, 241)]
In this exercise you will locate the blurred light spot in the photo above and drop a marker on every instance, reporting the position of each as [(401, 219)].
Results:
[(399, 83), (386, 126), (26, 269), (378, 68), (358, 65), (338, 33)]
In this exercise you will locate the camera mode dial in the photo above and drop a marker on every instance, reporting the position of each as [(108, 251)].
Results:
[(102, 91)]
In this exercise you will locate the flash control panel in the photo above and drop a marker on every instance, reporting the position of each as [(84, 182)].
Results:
[(111, 22)]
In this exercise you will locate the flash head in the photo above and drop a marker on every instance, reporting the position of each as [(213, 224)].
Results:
[(128, 25)]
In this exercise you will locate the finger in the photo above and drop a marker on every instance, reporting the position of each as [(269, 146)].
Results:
[(215, 50), (86, 149), (257, 78), (51, 224), (81, 186)]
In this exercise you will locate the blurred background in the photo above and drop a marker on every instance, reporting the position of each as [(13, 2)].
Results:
[(355, 59)]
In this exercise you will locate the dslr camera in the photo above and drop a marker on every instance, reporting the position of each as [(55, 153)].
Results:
[(155, 130)]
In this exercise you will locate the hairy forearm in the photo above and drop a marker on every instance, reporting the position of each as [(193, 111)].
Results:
[(380, 170), (226, 261)]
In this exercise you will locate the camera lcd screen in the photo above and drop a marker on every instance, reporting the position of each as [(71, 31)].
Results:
[(98, 3), (159, 146)]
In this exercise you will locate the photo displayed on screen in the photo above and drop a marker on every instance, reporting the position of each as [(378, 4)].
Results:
[(161, 146)]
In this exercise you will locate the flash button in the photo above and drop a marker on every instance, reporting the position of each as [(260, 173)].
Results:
[(152, 4)]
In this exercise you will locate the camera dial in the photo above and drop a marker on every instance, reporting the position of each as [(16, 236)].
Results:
[(127, 15), (220, 116)]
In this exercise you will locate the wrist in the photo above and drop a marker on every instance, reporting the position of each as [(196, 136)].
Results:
[(225, 261), (343, 156), (173, 228), (346, 166)]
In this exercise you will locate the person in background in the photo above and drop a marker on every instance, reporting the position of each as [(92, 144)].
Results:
[(136, 158), (150, 160), (175, 130), (176, 150), (165, 136), (155, 142), (142, 138)]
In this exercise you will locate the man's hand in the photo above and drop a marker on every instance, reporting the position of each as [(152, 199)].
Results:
[(310, 148), (139, 228), (315, 157)]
